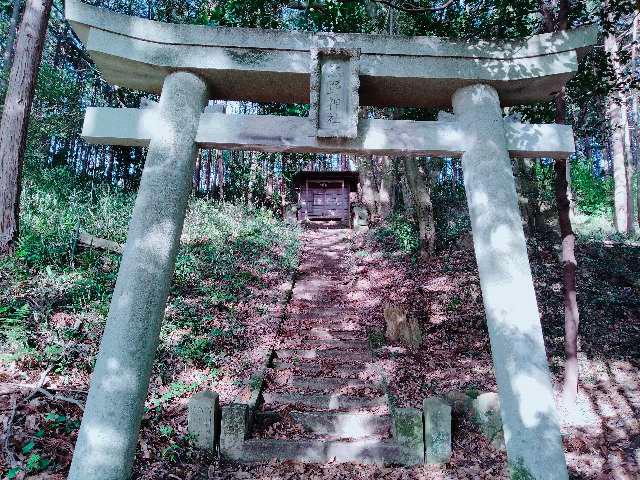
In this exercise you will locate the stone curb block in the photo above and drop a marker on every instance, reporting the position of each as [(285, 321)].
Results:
[(203, 419), (407, 430), (437, 431)]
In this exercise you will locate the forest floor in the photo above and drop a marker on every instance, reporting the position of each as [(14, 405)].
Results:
[(222, 314)]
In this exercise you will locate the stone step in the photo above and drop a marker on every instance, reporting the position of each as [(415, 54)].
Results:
[(302, 322), (335, 425), (377, 452), (313, 368), (330, 355), (327, 333), (331, 383), (333, 344), (344, 425), (327, 309), (323, 402)]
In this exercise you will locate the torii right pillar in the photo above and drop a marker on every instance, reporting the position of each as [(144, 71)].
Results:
[(531, 429)]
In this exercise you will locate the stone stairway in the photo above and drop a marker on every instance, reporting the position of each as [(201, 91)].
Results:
[(323, 399)]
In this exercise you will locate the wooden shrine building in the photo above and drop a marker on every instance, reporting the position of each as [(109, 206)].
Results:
[(324, 196)]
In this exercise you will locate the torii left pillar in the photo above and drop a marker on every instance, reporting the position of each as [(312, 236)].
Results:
[(109, 430)]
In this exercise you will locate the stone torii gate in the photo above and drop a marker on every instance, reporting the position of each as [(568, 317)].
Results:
[(336, 73)]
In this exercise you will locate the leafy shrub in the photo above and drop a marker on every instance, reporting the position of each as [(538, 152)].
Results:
[(592, 193), (450, 213), (398, 233)]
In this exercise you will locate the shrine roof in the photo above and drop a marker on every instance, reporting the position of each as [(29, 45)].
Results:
[(274, 65), (349, 177)]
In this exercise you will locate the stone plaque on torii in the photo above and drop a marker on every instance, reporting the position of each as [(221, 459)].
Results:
[(336, 73)]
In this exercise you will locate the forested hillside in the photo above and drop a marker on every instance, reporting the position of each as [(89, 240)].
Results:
[(61, 246)]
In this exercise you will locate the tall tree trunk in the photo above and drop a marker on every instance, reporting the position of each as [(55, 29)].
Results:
[(369, 189), (15, 117), (207, 172), (628, 155), (569, 268), (220, 169), (616, 114), (196, 173), (253, 171), (557, 21), (422, 206), (635, 111), (269, 182), (109, 172), (386, 186), (620, 193), (527, 188), (7, 56), (283, 187)]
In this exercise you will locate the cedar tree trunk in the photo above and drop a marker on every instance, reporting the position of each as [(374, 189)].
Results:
[(422, 206), (15, 116)]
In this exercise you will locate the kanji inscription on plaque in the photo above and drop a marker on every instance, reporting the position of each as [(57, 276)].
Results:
[(334, 92)]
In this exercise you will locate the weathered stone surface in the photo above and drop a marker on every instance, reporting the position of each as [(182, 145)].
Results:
[(132, 126), (367, 451), (360, 217), (400, 328), (528, 408), (291, 215), (109, 430), (203, 419), (234, 429), (347, 370), (328, 356), (460, 402), (245, 64), (408, 431), (330, 383), (486, 413), (326, 402), (333, 91), (437, 431), (343, 425)]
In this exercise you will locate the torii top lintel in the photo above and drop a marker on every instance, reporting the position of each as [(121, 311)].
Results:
[(274, 65)]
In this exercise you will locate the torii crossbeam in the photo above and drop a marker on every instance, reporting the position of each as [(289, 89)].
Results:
[(335, 73), (269, 133)]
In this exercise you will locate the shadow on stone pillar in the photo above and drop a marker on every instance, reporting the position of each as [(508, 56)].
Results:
[(109, 430), (531, 429)]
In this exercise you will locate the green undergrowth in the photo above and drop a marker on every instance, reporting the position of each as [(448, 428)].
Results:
[(55, 293), (397, 233)]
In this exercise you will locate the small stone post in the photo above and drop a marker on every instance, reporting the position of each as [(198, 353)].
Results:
[(234, 429), (437, 431), (109, 430), (532, 434), (203, 419), (407, 430)]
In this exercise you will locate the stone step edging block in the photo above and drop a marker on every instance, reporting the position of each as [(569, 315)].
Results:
[(203, 419), (437, 431)]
